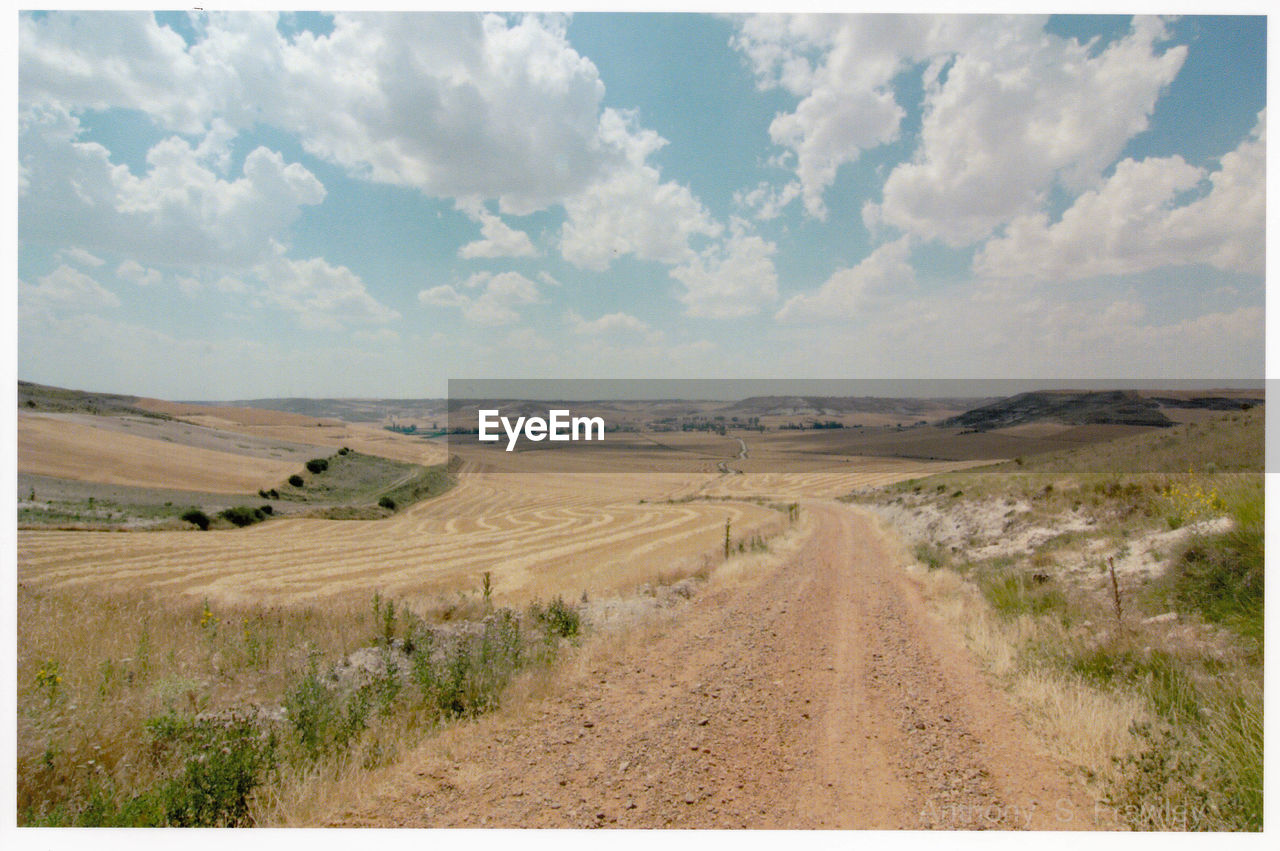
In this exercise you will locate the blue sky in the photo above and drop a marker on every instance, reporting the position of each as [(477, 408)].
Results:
[(217, 206)]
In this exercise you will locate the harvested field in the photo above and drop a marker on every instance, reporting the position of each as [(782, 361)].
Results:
[(77, 450), (539, 535), (298, 428)]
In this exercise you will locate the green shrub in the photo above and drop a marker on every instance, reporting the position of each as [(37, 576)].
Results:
[(558, 619), (243, 515), (317, 466), (197, 517), (295, 480), (221, 763), (1222, 576), (387, 503), (267, 509)]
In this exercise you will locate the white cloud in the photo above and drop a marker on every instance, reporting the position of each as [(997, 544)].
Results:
[(1016, 116), (1131, 224), (842, 68), (1008, 109), (614, 326), (132, 270), (731, 279), (81, 257), (177, 213), (766, 200), (500, 240), (76, 59), (322, 296), (885, 273), (631, 210), (500, 295), (454, 105), (65, 289)]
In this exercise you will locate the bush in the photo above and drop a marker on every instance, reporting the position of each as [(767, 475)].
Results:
[(243, 515), (198, 517), (295, 480), (387, 503), (267, 509), (317, 466), (558, 618)]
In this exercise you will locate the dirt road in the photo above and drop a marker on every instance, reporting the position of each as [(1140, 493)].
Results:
[(817, 694)]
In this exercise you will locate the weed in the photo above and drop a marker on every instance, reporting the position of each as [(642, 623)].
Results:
[(49, 680), (558, 619)]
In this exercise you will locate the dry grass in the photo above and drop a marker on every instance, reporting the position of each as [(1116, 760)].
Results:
[(1082, 725), (71, 450), (96, 670)]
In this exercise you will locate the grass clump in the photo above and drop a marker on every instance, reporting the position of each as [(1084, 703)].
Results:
[(1015, 594), (1222, 576)]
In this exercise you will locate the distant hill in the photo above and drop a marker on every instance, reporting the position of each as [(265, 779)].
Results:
[(1112, 407), (42, 397), (348, 410), (827, 405)]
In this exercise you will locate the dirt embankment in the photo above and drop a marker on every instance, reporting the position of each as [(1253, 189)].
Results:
[(817, 693)]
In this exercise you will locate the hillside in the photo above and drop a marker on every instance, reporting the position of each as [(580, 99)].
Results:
[(1113, 407)]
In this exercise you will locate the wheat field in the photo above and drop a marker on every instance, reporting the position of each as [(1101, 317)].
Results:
[(538, 534)]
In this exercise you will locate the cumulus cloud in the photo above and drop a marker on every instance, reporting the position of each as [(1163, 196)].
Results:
[(75, 60), (885, 273), (499, 239), (81, 257), (730, 279), (1008, 121), (179, 212), (1132, 224), (613, 326), (461, 106), (766, 201), (1008, 109), (65, 289), (498, 296), (132, 270), (453, 105), (631, 210), (320, 295)]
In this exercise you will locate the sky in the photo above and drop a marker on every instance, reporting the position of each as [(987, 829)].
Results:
[(246, 205)]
